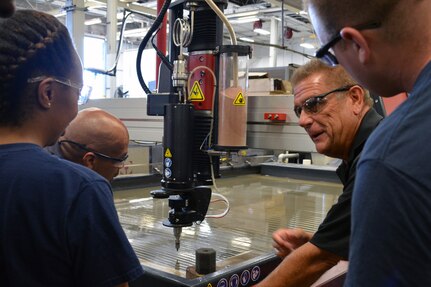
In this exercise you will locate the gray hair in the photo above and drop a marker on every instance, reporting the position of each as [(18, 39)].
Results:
[(336, 76)]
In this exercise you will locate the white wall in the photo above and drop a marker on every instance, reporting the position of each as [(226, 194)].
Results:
[(126, 69), (260, 57), (133, 112)]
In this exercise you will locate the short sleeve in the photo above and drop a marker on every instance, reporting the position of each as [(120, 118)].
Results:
[(333, 234), (98, 247), (390, 228)]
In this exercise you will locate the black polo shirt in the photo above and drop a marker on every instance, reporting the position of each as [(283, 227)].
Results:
[(333, 234)]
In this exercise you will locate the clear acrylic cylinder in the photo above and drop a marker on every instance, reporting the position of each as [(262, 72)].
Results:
[(232, 99)]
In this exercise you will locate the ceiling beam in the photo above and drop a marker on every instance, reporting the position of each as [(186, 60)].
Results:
[(277, 3), (102, 3), (130, 6)]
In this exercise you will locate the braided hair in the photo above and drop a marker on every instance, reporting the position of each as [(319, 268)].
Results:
[(32, 44)]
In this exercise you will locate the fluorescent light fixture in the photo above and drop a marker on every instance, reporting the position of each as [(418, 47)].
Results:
[(60, 14), (93, 21), (91, 6), (139, 32), (246, 39), (242, 14), (248, 19), (303, 13), (262, 31), (307, 46)]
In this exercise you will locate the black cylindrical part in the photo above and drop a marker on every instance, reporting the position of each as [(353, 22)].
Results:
[(205, 260), (208, 27), (178, 146)]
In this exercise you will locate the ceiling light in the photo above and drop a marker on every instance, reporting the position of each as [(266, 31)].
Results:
[(262, 31), (307, 46), (246, 39), (242, 14), (258, 24), (92, 6), (139, 32), (247, 19), (257, 27), (288, 33), (93, 21), (60, 14)]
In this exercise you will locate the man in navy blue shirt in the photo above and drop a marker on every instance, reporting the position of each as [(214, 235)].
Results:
[(386, 45)]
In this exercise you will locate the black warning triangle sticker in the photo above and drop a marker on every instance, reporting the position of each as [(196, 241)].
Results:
[(239, 100), (196, 94)]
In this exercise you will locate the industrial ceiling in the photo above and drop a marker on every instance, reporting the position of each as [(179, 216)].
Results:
[(294, 30)]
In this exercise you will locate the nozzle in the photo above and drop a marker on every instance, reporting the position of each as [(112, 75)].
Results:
[(177, 234)]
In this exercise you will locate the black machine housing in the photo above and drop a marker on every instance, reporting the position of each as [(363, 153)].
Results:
[(188, 169)]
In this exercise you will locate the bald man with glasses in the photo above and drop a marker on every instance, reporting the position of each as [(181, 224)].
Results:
[(97, 140), (338, 116)]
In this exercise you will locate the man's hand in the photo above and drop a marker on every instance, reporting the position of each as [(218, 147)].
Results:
[(286, 240)]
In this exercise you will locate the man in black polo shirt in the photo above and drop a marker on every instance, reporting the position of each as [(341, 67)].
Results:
[(338, 116)]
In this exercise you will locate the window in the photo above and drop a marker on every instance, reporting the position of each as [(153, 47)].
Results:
[(127, 73), (94, 57), (126, 77)]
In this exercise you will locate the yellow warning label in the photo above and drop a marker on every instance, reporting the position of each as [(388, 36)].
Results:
[(209, 285), (239, 100), (196, 94), (168, 153)]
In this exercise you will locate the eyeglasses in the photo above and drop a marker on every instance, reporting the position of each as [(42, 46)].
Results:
[(118, 162), (84, 91), (312, 105), (327, 56)]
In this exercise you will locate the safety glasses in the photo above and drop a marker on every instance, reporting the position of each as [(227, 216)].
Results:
[(83, 90), (118, 162), (314, 104), (325, 55)]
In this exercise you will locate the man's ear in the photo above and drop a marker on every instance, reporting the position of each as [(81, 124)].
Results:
[(45, 93), (357, 42), (357, 96), (89, 159)]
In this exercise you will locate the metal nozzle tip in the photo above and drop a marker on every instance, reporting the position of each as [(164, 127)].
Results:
[(177, 234)]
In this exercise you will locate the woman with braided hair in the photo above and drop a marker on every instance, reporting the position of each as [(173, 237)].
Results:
[(7, 8), (58, 223)]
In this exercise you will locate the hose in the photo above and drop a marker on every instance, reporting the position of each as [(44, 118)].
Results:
[(144, 43)]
